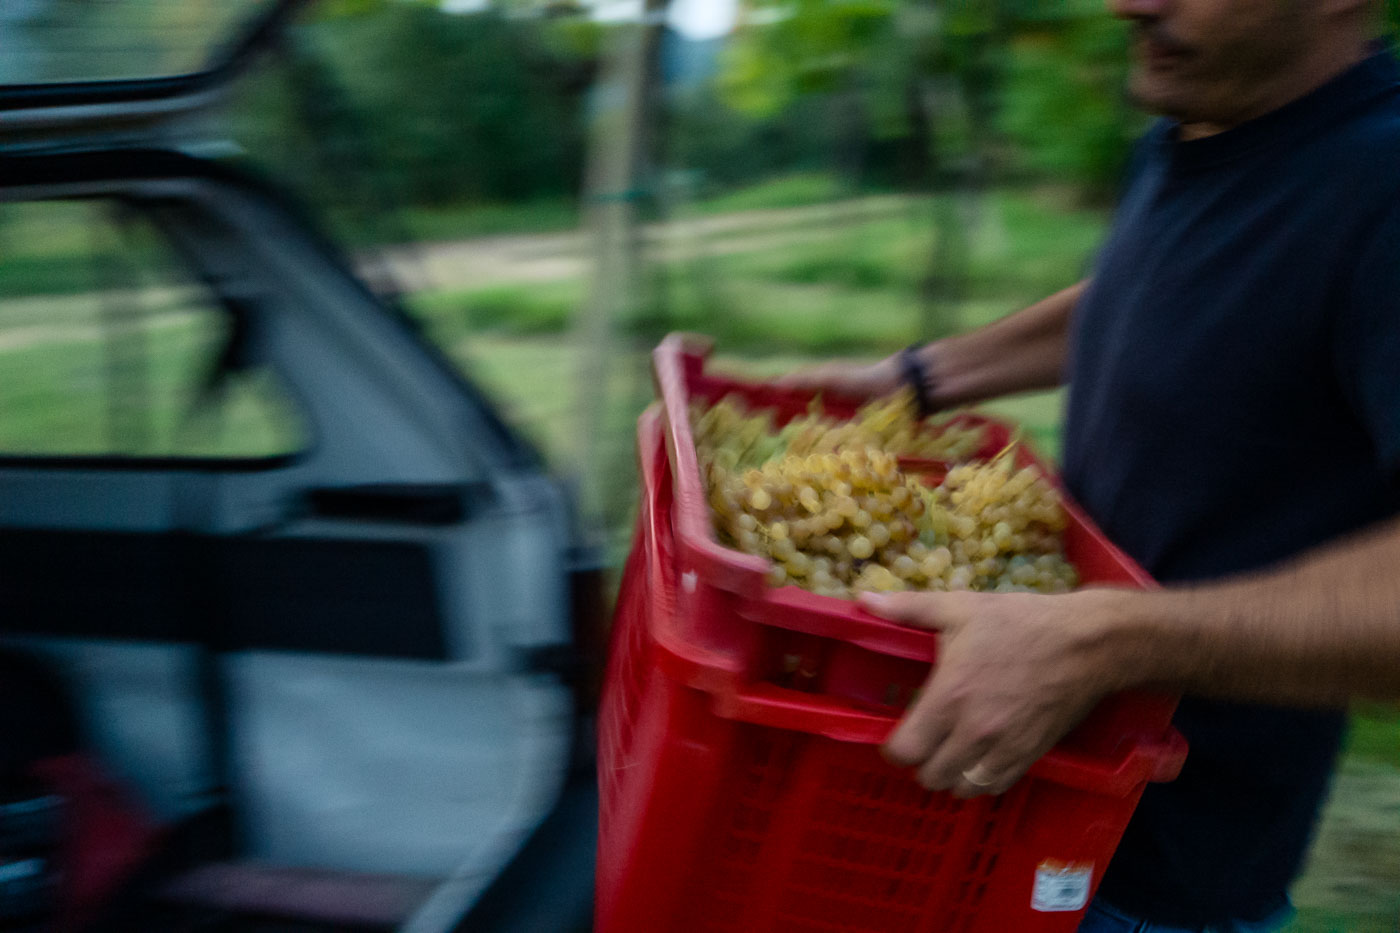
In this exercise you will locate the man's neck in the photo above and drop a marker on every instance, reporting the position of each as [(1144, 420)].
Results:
[(1326, 64)]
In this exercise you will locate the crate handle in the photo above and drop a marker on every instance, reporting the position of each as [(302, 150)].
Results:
[(767, 705), (672, 361), (704, 667), (1158, 761)]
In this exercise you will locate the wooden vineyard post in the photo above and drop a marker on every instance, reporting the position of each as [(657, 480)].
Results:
[(616, 186)]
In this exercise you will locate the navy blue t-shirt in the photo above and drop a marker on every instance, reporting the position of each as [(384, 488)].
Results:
[(1234, 401)]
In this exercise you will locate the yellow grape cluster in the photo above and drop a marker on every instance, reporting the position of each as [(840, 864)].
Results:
[(831, 522), (836, 514), (743, 439), (1004, 526)]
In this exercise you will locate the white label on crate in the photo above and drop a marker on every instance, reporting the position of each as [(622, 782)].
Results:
[(1061, 886)]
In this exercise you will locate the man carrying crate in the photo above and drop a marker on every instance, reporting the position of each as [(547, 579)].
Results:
[(1234, 424)]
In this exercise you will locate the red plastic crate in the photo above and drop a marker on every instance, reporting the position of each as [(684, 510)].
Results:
[(741, 785)]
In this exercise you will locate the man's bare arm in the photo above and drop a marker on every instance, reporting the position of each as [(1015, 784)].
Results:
[(1318, 631), (1019, 353)]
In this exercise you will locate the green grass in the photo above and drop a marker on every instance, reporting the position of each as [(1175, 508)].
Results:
[(880, 253), (47, 248), (1350, 881), (860, 289), (459, 221), (797, 295), (532, 381), (796, 190), (53, 248), (59, 396), (856, 288), (1375, 735), (1021, 242), (538, 308), (1329, 921), (46, 275)]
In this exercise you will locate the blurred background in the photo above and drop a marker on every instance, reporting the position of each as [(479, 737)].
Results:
[(548, 187)]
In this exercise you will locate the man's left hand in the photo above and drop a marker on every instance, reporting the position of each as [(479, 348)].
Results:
[(1015, 672)]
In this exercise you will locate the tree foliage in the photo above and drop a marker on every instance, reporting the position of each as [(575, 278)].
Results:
[(493, 105), (1064, 110), (450, 107)]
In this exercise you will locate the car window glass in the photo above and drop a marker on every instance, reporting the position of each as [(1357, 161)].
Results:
[(107, 349), (55, 41)]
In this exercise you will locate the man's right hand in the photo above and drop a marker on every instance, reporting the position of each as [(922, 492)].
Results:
[(850, 380)]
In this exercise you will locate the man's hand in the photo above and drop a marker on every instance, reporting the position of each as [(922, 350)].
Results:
[(850, 380), (1015, 673)]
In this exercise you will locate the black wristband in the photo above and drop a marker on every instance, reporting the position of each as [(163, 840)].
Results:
[(916, 374)]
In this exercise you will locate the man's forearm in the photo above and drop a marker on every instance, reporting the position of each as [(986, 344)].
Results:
[(1019, 353), (1318, 631)]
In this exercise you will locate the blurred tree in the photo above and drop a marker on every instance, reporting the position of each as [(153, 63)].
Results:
[(911, 82), (812, 50), (1063, 108), (924, 95), (456, 107)]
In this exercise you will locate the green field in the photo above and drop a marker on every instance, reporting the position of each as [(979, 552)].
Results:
[(778, 280)]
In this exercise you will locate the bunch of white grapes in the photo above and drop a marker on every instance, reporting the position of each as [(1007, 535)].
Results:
[(834, 512), (1004, 527), (743, 439)]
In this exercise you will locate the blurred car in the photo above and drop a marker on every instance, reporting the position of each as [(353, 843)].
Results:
[(318, 605)]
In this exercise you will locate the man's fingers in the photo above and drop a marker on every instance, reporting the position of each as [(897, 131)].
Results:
[(923, 610), (972, 764), (996, 771), (1008, 759), (920, 733), (976, 781), (951, 761)]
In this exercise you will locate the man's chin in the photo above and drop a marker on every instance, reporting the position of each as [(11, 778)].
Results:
[(1151, 95)]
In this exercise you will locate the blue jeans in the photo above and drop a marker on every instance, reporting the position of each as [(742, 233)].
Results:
[(1105, 918)]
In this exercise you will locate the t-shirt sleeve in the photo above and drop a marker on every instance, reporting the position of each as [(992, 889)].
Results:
[(1368, 339)]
